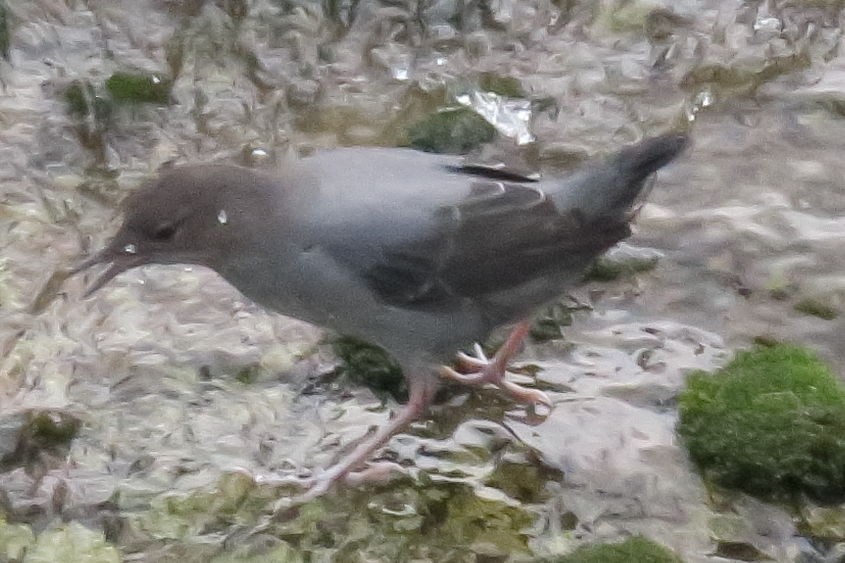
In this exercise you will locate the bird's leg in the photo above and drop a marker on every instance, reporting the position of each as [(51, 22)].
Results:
[(421, 392), (481, 370)]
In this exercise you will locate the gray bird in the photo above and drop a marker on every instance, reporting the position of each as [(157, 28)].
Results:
[(410, 251)]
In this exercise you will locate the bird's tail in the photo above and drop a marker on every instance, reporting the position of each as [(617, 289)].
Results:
[(608, 190)]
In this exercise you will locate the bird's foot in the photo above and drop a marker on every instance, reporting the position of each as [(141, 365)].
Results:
[(478, 369), (353, 469)]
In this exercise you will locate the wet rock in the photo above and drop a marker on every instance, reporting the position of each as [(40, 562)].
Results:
[(825, 523), (622, 261), (302, 93)]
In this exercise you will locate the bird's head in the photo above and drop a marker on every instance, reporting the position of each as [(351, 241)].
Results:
[(188, 215)]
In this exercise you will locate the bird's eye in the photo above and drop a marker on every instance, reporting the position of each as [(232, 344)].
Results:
[(164, 232)]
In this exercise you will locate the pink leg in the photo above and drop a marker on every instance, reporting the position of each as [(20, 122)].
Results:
[(493, 371), (421, 392)]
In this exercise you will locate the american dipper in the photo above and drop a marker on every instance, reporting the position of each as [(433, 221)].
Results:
[(407, 250)]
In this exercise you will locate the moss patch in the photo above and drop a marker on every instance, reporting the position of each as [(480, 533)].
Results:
[(507, 86), (15, 540), (400, 524), (771, 423), (82, 100), (451, 131), (374, 523), (609, 268), (72, 542), (632, 550), (548, 325), (371, 366), (816, 308), (42, 435), (138, 88), (5, 35)]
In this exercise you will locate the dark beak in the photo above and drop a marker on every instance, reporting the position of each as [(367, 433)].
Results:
[(118, 260)]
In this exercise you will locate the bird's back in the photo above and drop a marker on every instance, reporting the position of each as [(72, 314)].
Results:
[(400, 247)]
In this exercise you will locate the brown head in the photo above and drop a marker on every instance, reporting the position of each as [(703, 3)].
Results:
[(189, 215)]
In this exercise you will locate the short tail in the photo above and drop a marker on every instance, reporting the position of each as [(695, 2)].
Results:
[(610, 188), (638, 162)]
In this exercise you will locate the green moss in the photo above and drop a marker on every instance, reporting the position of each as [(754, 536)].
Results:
[(452, 131), (40, 433), (507, 86), (371, 366), (766, 341), (624, 17), (632, 550), (548, 325), (15, 540), (608, 268), (72, 542), (126, 87), (522, 479), (816, 308), (399, 524), (280, 552), (52, 428), (5, 34), (394, 522), (771, 423), (235, 499), (248, 374), (82, 100)]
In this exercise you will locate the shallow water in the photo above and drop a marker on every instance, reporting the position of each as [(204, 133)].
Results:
[(179, 382)]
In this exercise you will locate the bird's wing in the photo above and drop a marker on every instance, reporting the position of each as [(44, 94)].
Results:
[(421, 231), (499, 236)]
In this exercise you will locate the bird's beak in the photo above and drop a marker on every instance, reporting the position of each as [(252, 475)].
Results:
[(118, 259)]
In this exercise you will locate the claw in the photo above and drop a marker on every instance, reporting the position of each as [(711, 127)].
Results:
[(482, 370)]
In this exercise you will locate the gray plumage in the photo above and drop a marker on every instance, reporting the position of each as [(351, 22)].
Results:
[(404, 249)]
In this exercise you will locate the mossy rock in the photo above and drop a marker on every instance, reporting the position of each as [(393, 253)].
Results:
[(450, 131), (632, 550), (771, 423)]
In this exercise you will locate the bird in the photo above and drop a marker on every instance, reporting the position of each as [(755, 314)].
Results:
[(415, 252)]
